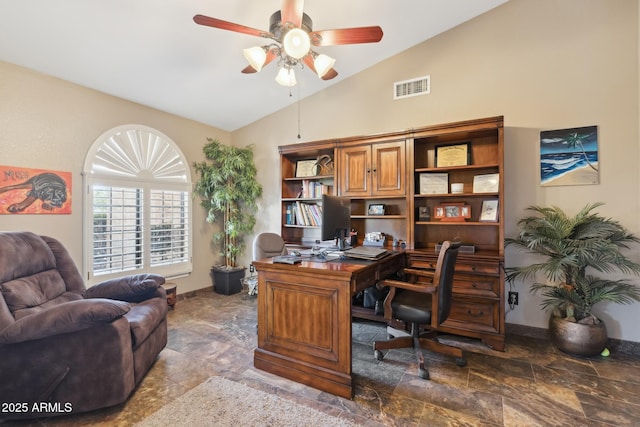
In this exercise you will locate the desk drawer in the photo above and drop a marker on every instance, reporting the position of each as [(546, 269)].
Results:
[(477, 315), (363, 280), (389, 267), (462, 265), (476, 285)]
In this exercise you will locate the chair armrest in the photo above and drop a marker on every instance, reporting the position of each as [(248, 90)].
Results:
[(416, 287), (134, 288), (68, 317)]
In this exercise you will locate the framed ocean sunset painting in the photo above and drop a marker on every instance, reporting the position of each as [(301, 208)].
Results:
[(569, 156)]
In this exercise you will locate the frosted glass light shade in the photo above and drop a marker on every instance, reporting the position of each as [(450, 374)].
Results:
[(286, 77), (296, 43), (323, 63), (256, 56)]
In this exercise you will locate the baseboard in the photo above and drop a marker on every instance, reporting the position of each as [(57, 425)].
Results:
[(615, 345)]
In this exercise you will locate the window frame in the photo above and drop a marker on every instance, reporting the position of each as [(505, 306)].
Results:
[(138, 140)]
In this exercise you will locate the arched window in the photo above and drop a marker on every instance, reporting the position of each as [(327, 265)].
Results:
[(137, 205)]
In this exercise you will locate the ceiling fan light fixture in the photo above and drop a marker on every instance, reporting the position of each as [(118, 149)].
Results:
[(256, 56), (286, 77), (323, 63), (296, 43)]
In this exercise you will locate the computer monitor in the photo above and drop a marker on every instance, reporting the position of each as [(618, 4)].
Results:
[(336, 219)]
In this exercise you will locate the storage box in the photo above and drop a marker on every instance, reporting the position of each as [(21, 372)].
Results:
[(464, 249)]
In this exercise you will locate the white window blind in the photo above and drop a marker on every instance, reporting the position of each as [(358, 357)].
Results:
[(169, 227), (117, 229)]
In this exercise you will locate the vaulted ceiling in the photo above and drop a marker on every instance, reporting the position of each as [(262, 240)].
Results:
[(151, 52)]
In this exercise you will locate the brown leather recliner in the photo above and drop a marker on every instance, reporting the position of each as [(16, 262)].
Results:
[(64, 348)]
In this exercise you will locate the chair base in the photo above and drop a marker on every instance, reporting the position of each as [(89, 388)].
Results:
[(418, 341)]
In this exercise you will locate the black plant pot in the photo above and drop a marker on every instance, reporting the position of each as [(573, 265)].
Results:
[(576, 338), (227, 281)]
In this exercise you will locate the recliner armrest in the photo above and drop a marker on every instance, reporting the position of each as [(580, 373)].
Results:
[(134, 288), (63, 318)]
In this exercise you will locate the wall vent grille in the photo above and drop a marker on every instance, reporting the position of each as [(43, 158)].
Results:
[(413, 87)]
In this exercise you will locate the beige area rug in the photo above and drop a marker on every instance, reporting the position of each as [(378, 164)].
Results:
[(221, 402)]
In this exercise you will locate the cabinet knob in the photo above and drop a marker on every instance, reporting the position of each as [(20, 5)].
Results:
[(479, 314)]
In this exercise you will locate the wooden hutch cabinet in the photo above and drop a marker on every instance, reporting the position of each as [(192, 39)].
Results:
[(373, 170), (411, 173)]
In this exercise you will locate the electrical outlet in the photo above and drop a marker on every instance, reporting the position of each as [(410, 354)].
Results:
[(513, 298), (251, 268)]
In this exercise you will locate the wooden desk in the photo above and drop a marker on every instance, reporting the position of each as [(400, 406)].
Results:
[(304, 318)]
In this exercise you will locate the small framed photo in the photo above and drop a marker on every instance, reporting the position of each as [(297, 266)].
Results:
[(453, 155), (424, 213), (489, 211), (376, 210), (305, 168), (452, 212)]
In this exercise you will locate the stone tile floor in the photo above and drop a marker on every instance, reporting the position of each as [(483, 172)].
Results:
[(530, 384)]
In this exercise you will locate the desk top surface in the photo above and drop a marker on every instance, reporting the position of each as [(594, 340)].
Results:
[(338, 266)]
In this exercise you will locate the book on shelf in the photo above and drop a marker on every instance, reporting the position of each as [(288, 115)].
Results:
[(312, 189), (307, 214)]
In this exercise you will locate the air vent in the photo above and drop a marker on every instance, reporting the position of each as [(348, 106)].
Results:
[(413, 87)]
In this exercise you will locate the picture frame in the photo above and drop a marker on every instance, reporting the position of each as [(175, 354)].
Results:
[(489, 212), (434, 183), (305, 168), (452, 212), (424, 213), (488, 183), (376, 209), (453, 155)]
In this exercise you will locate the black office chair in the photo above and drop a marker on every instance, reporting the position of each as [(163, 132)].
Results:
[(424, 299)]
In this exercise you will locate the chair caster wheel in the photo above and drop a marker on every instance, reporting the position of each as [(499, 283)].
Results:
[(378, 354), (423, 373), (461, 361)]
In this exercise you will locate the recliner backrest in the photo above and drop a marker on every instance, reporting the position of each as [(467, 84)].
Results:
[(35, 273)]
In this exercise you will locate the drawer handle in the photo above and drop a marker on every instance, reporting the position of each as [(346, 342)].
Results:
[(473, 268), (480, 314), (474, 284)]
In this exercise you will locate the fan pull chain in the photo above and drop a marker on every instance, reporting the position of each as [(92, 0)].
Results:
[(298, 113)]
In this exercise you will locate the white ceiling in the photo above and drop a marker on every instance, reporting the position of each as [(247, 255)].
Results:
[(151, 52)]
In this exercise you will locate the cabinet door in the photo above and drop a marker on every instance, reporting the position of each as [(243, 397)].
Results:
[(356, 170), (388, 177)]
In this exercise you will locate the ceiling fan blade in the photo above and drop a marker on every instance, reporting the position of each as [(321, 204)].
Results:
[(291, 11), (346, 36), (230, 26), (308, 61), (330, 74), (270, 57)]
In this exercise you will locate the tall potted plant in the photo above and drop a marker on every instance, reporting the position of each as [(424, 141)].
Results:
[(229, 190), (572, 247)]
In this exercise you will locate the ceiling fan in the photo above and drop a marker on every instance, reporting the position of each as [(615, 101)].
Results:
[(292, 32)]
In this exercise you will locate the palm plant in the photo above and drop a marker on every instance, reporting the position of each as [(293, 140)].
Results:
[(571, 245), (229, 191)]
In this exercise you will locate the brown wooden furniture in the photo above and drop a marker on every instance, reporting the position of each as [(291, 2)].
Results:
[(172, 294), (304, 318), (386, 169)]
